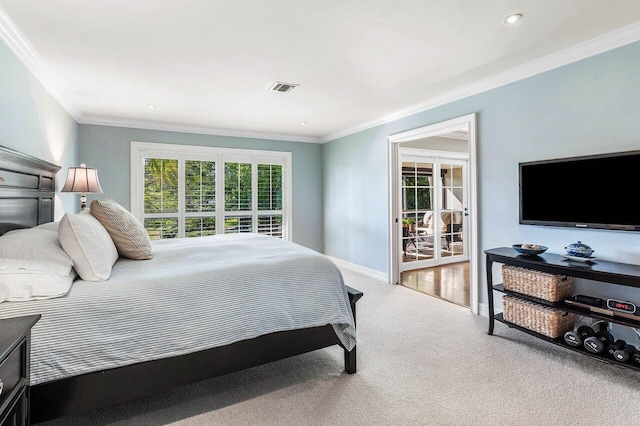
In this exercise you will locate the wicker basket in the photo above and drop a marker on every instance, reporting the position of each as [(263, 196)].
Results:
[(536, 317), (553, 288)]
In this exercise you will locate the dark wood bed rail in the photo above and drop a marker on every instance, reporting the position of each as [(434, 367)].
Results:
[(90, 391)]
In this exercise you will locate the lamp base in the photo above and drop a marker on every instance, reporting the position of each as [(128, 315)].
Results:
[(83, 201)]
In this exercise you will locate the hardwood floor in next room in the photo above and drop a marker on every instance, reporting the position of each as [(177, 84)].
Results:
[(447, 282)]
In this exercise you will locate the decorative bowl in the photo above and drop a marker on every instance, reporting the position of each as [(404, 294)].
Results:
[(529, 251), (579, 250)]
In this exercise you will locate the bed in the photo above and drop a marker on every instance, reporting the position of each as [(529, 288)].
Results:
[(176, 319)]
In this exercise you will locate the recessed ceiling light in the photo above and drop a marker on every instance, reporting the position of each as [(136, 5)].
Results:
[(512, 19), (151, 106), (302, 123)]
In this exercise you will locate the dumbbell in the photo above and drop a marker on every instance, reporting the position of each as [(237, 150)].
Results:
[(598, 343), (618, 344), (635, 359), (624, 354), (576, 338)]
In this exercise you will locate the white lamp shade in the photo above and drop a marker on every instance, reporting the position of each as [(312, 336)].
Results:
[(82, 179)]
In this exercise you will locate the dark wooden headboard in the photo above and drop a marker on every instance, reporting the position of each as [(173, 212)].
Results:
[(27, 190)]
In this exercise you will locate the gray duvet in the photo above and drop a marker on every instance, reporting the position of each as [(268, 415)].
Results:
[(195, 294)]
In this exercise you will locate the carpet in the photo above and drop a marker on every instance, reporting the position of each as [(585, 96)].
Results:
[(421, 361)]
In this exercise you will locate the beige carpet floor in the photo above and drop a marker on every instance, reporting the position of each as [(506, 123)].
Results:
[(422, 361)]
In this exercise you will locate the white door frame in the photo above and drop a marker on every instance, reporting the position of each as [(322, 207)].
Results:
[(395, 231)]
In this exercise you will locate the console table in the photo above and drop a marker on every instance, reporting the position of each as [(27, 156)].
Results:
[(600, 270)]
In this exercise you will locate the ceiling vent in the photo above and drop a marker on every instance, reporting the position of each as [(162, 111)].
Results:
[(283, 87)]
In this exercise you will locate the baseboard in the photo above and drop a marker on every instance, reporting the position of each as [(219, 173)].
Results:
[(483, 309), (372, 273)]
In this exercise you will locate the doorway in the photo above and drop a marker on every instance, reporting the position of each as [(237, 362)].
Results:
[(433, 227), (433, 207)]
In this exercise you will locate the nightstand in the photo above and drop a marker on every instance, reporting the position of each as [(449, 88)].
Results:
[(15, 339)]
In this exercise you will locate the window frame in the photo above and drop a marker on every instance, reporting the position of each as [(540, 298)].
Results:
[(142, 150)]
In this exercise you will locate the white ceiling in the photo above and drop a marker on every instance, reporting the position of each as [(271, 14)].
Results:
[(207, 64)]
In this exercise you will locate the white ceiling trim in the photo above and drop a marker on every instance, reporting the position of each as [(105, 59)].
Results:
[(169, 127), (563, 57), (20, 46)]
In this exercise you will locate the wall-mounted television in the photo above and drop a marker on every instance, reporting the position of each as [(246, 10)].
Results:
[(596, 191)]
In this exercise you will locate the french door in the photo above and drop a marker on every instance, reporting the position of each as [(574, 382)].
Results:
[(434, 211)]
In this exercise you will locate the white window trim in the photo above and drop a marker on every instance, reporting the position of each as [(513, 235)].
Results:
[(174, 151)]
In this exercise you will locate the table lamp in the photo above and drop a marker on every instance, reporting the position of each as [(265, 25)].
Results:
[(82, 180)]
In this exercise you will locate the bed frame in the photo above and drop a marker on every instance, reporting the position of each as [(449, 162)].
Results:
[(27, 198)]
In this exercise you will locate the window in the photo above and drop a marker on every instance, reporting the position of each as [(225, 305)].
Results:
[(161, 197), (270, 199), (185, 191)]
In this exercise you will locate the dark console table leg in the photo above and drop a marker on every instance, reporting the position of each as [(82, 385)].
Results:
[(490, 292)]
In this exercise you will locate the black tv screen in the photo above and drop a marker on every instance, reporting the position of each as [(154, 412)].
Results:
[(597, 191)]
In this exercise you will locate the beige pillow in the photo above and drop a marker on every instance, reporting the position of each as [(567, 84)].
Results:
[(89, 245), (128, 234)]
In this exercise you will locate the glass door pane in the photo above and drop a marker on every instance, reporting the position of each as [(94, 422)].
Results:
[(452, 209), (417, 213)]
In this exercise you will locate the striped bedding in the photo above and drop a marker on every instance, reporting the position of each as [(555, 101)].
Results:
[(195, 294)]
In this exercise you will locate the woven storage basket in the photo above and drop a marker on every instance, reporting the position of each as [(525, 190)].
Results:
[(553, 288), (536, 317)]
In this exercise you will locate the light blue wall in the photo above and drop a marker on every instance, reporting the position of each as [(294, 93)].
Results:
[(588, 107), (31, 121), (109, 150)]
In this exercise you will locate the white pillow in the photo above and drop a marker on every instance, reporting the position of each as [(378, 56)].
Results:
[(30, 266), (34, 244), (50, 226), (89, 245), (23, 280)]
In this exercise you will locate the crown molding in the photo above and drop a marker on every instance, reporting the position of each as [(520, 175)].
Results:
[(20, 46), (586, 49), (169, 127)]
